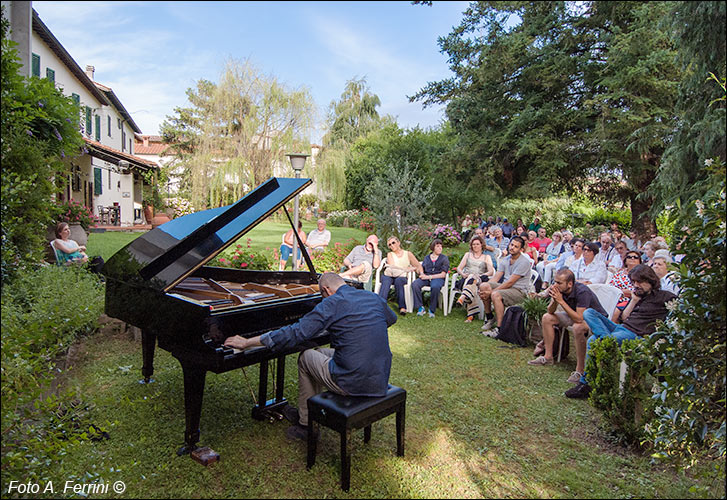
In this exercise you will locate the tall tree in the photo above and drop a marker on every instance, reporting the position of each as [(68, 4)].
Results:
[(699, 30), (551, 95), (236, 131), (352, 116)]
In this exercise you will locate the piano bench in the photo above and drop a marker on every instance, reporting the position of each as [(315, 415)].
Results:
[(346, 413)]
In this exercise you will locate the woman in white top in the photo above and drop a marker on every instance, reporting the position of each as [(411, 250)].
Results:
[(399, 262), (588, 269), (475, 268)]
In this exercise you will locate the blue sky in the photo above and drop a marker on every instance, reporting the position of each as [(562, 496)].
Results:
[(151, 52)]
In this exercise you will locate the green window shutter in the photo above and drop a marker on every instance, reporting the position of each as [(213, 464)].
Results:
[(98, 128), (76, 98), (88, 120), (50, 75), (36, 66), (97, 187)]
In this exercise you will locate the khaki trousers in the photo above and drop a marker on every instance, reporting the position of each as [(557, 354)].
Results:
[(314, 377)]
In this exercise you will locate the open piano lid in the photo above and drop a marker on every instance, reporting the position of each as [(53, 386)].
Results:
[(164, 256)]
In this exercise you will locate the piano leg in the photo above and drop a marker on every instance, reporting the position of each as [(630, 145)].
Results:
[(194, 379), (148, 343)]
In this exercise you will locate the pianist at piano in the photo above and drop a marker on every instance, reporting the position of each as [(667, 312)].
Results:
[(360, 359)]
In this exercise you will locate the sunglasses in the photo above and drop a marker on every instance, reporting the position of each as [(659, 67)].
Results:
[(391, 243), (633, 257), (587, 250)]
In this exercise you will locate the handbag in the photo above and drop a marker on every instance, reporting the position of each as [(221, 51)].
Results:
[(394, 272)]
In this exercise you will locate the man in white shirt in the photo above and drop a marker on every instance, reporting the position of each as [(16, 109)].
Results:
[(319, 238)]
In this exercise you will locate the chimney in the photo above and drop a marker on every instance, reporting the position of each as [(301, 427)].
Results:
[(89, 71), (146, 140)]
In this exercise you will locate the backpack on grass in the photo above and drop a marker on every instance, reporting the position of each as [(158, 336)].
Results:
[(512, 329)]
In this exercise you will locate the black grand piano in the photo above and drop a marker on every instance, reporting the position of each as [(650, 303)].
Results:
[(159, 282)]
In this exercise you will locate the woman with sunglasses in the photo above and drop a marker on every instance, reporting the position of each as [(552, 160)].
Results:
[(588, 269), (399, 262), (621, 279)]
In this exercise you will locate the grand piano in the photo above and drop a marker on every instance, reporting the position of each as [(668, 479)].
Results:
[(159, 282)]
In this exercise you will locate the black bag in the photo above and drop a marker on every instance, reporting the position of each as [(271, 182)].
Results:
[(556, 343), (512, 329)]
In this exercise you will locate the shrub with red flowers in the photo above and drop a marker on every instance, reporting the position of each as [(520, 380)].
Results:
[(246, 258), (332, 258), (72, 211), (368, 221)]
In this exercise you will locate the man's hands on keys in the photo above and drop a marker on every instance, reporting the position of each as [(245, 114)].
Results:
[(237, 342)]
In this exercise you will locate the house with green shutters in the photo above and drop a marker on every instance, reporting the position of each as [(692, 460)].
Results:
[(107, 173)]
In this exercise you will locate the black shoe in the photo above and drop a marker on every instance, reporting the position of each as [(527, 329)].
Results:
[(291, 414), (580, 391), (402, 312), (298, 432)]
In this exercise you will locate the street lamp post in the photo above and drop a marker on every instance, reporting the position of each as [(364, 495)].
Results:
[(297, 160)]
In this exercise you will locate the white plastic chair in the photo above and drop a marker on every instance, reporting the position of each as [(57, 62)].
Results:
[(534, 275), (444, 292), (407, 288), (608, 296)]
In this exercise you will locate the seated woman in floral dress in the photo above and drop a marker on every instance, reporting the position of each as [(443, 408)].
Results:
[(475, 268), (622, 281)]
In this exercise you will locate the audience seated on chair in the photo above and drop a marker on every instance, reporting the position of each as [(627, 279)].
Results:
[(550, 257), (568, 301), (474, 268), (532, 246), (621, 281), (515, 271), (433, 274), (68, 251), (607, 253), (648, 305), (660, 264), (286, 247), (588, 269), (399, 263), (319, 238), (362, 260)]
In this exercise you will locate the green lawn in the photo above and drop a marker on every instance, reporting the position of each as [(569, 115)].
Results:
[(264, 237), (479, 423)]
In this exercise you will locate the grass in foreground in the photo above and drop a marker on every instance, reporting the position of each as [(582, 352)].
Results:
[(480, 423)]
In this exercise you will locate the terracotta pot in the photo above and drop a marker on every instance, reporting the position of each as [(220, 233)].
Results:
[(158, 220), (148, 213)]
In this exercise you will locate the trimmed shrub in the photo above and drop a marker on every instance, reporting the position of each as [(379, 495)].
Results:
[(627, 410)]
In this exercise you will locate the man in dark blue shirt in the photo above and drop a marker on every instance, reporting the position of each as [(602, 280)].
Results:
[(359, 362)]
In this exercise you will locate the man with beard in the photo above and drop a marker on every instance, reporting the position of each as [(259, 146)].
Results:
[(647, 306), (568, 301)]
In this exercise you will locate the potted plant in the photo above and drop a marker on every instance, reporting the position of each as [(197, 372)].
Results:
[(534, 308)]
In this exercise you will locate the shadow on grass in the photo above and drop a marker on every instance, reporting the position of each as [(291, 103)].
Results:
[(480, 423)]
